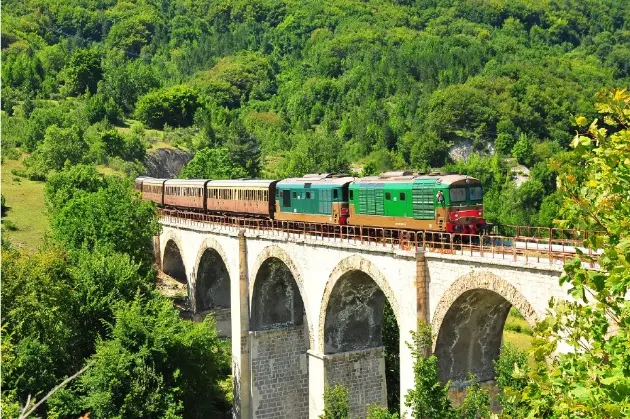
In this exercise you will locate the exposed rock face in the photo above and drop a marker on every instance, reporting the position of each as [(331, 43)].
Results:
[(166, 162)]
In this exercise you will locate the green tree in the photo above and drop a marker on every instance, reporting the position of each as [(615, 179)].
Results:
[(82, 72), (213, 163), (592, 379), (336, 403), (429, 398), (476, 403), (61, 146), (113, 217), (522, 150), (174, 106), (155, 365), (511, 377)]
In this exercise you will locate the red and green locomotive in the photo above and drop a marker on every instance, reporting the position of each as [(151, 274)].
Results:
[(398, 200)]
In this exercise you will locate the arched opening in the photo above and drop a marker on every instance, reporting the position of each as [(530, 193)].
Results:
[(360, 321), (277, 301), (470, 336), (279, 341), (212, 289), (172, 264)]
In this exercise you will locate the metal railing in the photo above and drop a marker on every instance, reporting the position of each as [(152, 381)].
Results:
[(528, 244)]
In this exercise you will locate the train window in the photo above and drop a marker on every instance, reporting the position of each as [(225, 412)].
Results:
[(458, 194), (294, 194), (402, 196), (351, 195), (388, 195), (308, 195), (476, 194), (335, 193)]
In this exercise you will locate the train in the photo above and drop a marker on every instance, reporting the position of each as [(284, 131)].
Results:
[(451, 203)]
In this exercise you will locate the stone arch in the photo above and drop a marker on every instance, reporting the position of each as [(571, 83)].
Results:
[(173, 258), (276, 252), (468, 325), (360, 271), (212, 277), (279, 340)]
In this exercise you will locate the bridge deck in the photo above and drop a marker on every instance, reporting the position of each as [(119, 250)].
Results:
[(554, 251)]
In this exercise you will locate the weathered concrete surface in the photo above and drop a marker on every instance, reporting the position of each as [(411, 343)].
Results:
[(354, 316), (318, 265), (279, 373), (473, 337), (276, 301)]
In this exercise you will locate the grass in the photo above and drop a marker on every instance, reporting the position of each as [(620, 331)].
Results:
[(26, 219), (518, 332)]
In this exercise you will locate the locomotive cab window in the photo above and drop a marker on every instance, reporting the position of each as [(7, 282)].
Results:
[(335, 193), (294, 194), (402, 196), (458, 194), (476, 194), (388, 195), (351, 195), (308, 195)]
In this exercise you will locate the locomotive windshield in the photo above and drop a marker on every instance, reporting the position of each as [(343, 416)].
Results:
[(476, 194), (458, 194)]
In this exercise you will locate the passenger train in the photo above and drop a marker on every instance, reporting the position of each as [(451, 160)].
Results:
[(405, 200)]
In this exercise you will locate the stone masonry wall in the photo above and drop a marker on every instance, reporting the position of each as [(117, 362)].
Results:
[(363, 373), (279, 373)]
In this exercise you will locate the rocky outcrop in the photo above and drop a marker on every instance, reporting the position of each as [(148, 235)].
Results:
[(166, 162)]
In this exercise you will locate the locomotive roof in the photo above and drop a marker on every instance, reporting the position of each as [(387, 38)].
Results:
[(240, 183), (326, 181), (441, 179)]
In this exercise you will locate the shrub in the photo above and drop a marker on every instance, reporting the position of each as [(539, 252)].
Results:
[(174, 106)]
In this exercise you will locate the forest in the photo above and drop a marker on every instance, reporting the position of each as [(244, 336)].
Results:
[(272, 89), (511, 92)]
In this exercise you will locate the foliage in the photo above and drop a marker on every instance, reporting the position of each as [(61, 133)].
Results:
[(61, 146), (378, 412), (476, 403), (510, 375), (174, 106), (155, 365), (111, 217), (391, 341), (429, 398), (591, 379), (336, 403), (213, 163)]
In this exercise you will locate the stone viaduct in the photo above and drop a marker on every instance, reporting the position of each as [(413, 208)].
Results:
[(305, 312)]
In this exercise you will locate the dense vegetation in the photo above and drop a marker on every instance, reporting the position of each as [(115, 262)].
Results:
[(88, 300), (302, 86), (277, 89)]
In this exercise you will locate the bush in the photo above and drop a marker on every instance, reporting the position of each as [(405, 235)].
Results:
[(336, 404), (174, 106), (99, 108)]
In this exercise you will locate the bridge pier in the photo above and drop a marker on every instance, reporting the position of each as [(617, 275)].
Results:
[(280, 373)]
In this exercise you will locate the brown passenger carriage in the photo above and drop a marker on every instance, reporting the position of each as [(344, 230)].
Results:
[(247, 196), (185, 193), (152, 189)]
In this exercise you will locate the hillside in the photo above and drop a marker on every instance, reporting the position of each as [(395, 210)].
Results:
[(303, 86)]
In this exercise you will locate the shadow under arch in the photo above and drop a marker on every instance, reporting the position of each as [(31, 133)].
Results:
[(173, 262), (212, 278), (276, 252), (468, 325)]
